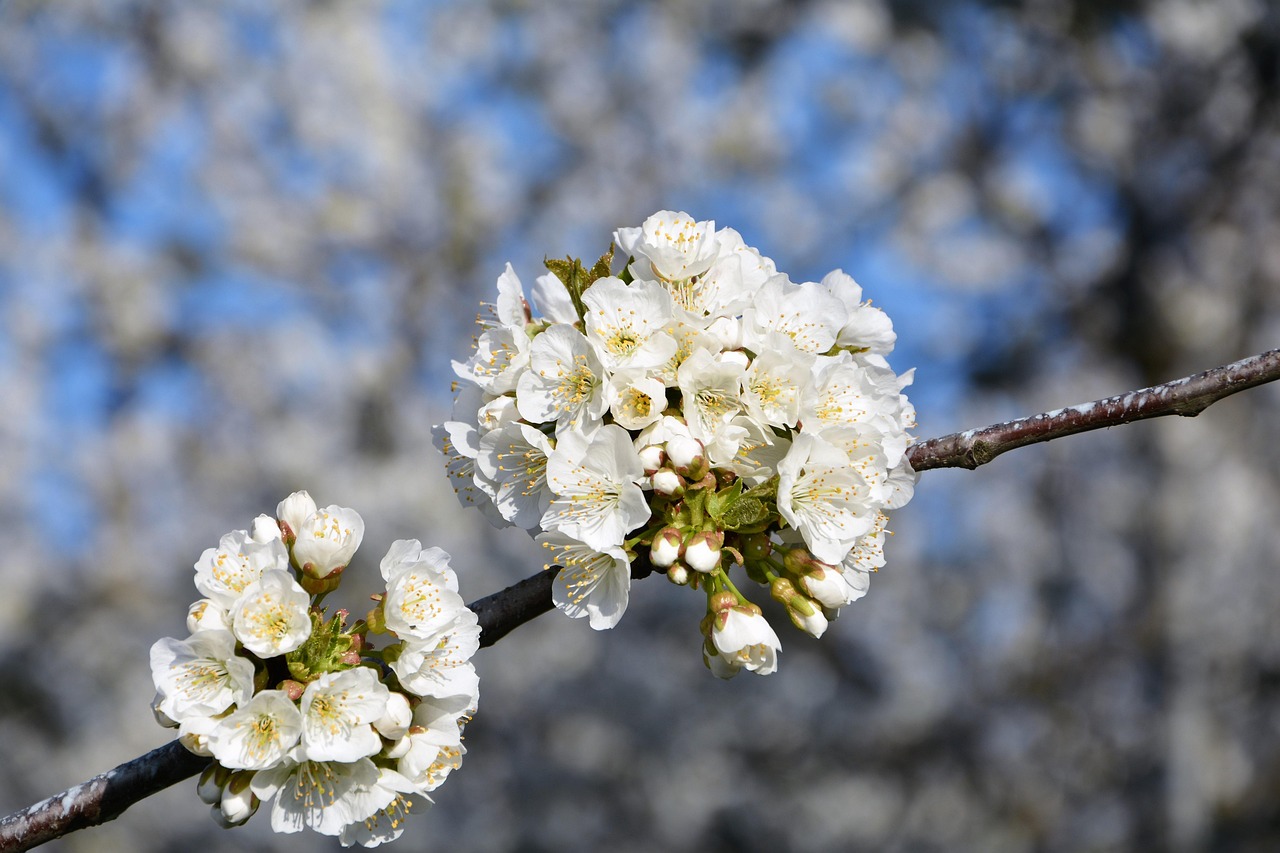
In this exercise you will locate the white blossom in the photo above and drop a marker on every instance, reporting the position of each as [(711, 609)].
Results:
[(710, 392), (626, 322), (327, 540), (315, 794), (511, 468), (636, 398), (439, 664), (200, 676), (564, 383), (593, 582), (222, 573), (295, 509), (419, 600), (597, 500), (258, 735), (824, 498), (392, 798), (338, 710), (273, 616), (670, 246), (807, 313), (742, 639)]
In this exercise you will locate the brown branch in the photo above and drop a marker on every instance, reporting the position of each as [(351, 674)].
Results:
[(105, 797), (1188, 397)]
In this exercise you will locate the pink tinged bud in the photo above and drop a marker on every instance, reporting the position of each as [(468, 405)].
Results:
[(666, 547), (667, 482), (722, 602), (293, 689), (683, 451), (652, 457), (678, 575), (702, 554)]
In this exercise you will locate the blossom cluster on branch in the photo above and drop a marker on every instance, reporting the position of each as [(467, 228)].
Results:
[(698, 408), (295, 704)]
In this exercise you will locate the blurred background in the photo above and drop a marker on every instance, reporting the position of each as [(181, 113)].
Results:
[(240, 242)]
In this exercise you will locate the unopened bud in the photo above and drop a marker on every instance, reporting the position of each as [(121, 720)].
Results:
[(799, 561), (666, 547), (204, 615), (292, 689), (722, 601), (238, 802), (678, 575), (652, 457), (683, 451), (702, 553), (396, 719), (805, 614), (667, 482), (212, 780), (317, 585)]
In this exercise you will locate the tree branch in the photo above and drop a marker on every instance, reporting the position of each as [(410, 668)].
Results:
[(105, 797), (1188, 397)]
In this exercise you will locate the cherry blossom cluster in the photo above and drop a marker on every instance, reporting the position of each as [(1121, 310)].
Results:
[(698, 410), (295, 705)]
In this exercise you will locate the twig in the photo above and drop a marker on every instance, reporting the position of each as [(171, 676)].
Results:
[(1188, 397), (105, 797)]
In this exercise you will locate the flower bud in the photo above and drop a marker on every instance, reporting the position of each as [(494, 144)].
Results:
[(212, 781), (161, 717), (684, 451), (292, 689), (722, 601), (204, 615), (652, 457), (666, 547), (395, 721), (804, 613), (238, 802), (667, 482), (678, 575), (265, 529), (702, 553), (292, 511)]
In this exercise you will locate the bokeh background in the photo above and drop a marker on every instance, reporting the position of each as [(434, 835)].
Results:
[(240, 242)]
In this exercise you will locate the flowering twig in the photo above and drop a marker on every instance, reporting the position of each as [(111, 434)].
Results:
[(105, 797), (1188, 397)]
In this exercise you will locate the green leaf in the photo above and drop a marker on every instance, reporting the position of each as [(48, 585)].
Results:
[(719, 502), (766, 491), (747, 515)]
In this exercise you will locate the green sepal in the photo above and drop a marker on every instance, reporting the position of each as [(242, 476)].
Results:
[(602, 268), (322, 652)]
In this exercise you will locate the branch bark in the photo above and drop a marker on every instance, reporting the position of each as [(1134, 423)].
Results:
[(1188, 397), (105, 797)]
